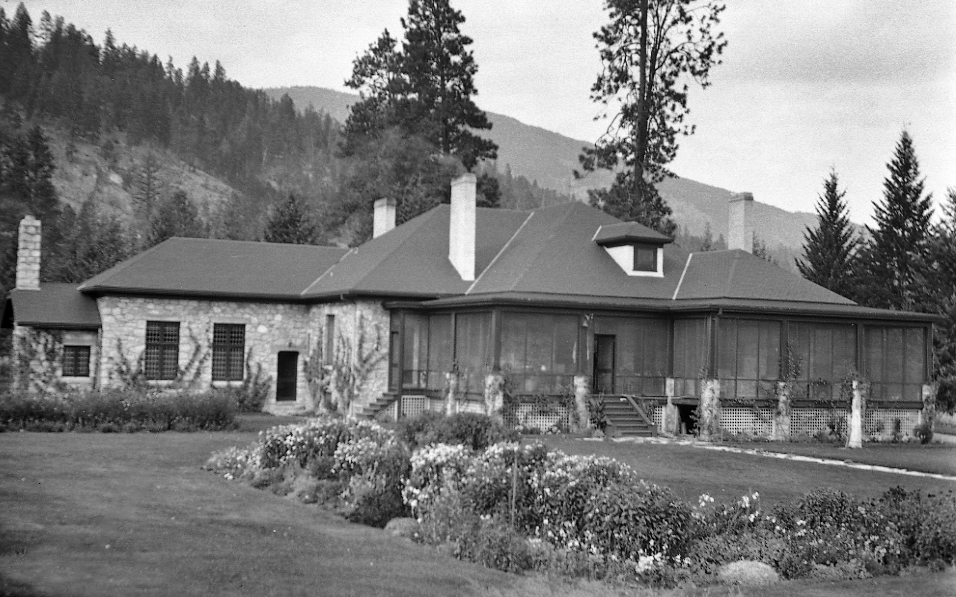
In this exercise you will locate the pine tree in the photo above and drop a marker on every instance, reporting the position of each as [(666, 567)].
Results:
[(830, 249), (290, 224), (176, 216), (898, 244), (148, 185), (94, 243)]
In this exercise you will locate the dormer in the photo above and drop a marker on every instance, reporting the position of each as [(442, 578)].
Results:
[(637, 249)]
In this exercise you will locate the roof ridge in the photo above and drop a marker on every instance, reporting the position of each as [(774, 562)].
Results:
[(539, 248), (730, 273), (682, 274), (500, 251)]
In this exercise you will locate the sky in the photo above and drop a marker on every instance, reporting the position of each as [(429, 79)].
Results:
[(806, 86)]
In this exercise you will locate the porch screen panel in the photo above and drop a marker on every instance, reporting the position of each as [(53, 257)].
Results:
[(690, 354), (473, 352), (642, 356), (822, 356), (415, 351), (440, 350), (895, 362), (539, 351), (748, 357)]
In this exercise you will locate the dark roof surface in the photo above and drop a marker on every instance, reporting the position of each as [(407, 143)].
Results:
[(195, 266), (629, 232), (412, 259), (54, 306)]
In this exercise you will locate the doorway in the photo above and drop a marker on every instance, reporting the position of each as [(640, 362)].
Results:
[(604, 349), (287, 373)]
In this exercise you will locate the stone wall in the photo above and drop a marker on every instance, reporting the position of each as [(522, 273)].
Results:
[(360, 327), (37, 359), (270, 328), (360, 344)]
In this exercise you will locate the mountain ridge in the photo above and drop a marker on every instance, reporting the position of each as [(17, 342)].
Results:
[(549, 158)]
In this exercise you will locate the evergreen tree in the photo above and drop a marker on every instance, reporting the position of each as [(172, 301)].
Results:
[(830, 249), (760, 250), (650, 50), (426, 88), (147, 185), (176, 216), (290, 224), (94, 243), (897, 247)]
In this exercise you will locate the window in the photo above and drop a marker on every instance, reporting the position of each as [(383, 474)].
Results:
[(228, 350), (329, 354), (539, 350), (822, 355), (473, 350), (645, 258), (895, 362), (690, 355), (642, 353), (162, 349), (440, 350), (415, 351), (76, 361), (749, 353)]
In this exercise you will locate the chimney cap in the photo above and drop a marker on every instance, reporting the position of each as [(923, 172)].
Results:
[(386, 202), (744, 196)]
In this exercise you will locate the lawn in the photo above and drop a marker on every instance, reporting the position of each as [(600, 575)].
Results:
[(692, 471), (114, 514)]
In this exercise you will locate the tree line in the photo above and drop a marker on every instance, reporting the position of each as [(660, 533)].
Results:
[(905, 261)]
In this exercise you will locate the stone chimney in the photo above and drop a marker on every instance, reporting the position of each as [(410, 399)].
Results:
[(741, 229), (461, 235), (383, 218), (28, 254)]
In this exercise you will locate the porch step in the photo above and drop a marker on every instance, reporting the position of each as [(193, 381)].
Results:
[(624, 419), (371, 409)]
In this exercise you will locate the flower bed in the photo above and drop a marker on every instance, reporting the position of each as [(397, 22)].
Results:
[(521, 507), (113, 411)]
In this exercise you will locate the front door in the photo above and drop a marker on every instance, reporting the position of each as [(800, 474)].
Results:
[(603, 364), (287, 375)]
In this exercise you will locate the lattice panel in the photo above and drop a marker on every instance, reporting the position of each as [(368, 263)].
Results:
[(658, 417), (747, 420), (879, 423), (526, 416), (813, 420), (413, 406)]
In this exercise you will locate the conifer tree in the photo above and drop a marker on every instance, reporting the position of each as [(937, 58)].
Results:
[(897, 246), (176, 216), (290, 224), (829, 250)]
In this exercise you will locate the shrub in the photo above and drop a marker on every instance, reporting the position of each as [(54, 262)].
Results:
[(115, 410), (473, 430), (494, 544), (924, 432), (926, 523)]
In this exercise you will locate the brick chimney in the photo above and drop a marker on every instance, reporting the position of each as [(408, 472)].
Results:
[(461, 235), (28, 254), (383, 217), (741, 226)]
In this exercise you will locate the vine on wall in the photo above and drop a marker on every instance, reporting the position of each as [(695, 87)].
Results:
[(353, 365), (38, 352)]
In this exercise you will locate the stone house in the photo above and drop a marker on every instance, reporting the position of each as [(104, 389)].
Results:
[(464, 304)]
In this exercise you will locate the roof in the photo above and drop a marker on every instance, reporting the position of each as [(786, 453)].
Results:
[(52, 306), (412, 259), (629, 232), (227, 268)]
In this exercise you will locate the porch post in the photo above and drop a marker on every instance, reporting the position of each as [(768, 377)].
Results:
[(781, 417), (670, 422), (451, 395), (495, 396), (855, 439), (928, 413), (582, 396), (708, 425)]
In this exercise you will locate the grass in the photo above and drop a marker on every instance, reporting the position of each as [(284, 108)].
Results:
[(121, 514)]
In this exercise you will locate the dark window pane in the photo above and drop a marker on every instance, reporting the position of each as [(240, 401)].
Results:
[(914, 358), (874, 353), (76, 361), (440, 349), (821, 353), (162, 349), (645, 258), (748, 344), (893, 365), (769, 350), (727, 351), (228, 349)]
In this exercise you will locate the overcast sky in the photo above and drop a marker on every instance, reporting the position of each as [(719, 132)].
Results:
[(806, 85)]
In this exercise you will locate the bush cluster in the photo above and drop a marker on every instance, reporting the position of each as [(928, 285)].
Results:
[(522, 507), (117, 410), (473, 430)]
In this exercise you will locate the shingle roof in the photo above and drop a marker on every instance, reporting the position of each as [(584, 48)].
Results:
[(412, 259), (194, 266), (53, 306)]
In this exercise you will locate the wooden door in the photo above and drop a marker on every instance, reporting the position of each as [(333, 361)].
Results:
[(287, 373), (603, 364)]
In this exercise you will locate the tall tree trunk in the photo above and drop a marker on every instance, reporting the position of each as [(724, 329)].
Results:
[(642, 107)]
